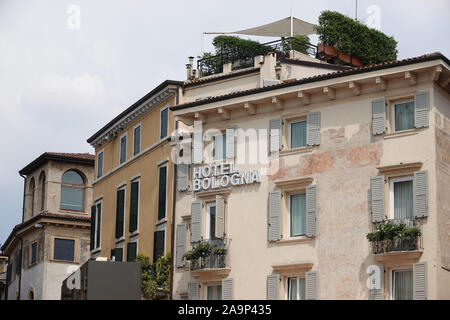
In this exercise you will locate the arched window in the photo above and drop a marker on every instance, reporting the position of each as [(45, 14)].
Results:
[(72, 191), (42, 190), (31, 192)]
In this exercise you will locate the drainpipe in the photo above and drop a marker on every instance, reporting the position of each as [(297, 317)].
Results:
[(23, 198)]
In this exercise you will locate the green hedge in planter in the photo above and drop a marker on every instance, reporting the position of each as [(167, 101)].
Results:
[(352, 37), (389, 231)]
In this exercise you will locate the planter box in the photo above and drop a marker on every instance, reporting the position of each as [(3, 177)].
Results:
[(327, 50)]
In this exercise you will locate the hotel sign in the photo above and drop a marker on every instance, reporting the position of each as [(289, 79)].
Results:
[(221, 176)]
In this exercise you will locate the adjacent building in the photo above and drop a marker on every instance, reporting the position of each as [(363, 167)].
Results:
[(53, 238)]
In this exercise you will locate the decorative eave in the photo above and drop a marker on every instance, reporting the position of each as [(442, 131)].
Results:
[(293, 184), (292, 268), (212, 193), (399, 169)]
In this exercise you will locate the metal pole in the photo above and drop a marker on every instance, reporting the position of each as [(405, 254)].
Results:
[(356, 9)]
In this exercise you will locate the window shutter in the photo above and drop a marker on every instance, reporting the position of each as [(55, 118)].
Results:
[(420, 281), (378, 116), (377, 192), (182, 176), (118, 253), (313, 128), (193, 290), (274, 215), (230, 142), (311, 285), (197, 148), (275, 135), (420, 187), (158, 244), (92, 244), (220, 217), (120, 212), (131, 251), (196, 221), (134, 205), (378, 294), (162, 193), (273, 283), (181, 244), (227, 289), (421, 106), (99, 224), (311, 211)]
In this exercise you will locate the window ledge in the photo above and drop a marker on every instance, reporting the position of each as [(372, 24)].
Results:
[(398, 257), (300, 150), (301, 239), (134, 234), (121, 239), (95, 251), (160, 222), (211, 274), (403, 133), (64, 262)]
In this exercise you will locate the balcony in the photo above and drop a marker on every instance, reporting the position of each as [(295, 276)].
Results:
[(209, 259)]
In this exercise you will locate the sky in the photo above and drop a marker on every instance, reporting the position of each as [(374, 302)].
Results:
[(68, 67)]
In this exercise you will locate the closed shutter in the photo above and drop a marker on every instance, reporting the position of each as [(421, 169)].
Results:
[(313, 128), (137, 140), (227, 289), (220, 217), (131, 251), (64, 249), (311, 285), (421, 106), (274, 215), (196, 221), (182, 176), (134, 205), (92, 244), (193, 290), (378, 294), (273, 283), (420, 187), (8, 273), (120, 208), (379, 116), (311, 211), (118, 254), (158, 244), (275, 135), (377, 194), (197, 148), (230, 142), (162, 194), (420, 281), (99, 224), (180, 244), (164, 122)]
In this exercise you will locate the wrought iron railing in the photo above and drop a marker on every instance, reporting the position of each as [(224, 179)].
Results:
[(212, 261)]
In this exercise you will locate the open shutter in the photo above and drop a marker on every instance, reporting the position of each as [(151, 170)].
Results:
[(313, 128), (420, 281), (275, 135), (181, 244), (378, 294), (421, 106), (379, 116), (311, 285), (193, 290), (227, 289), (220, 217), (196, 221), (197, 147), (182, 176), (274, 215), (92, 244), (420, 187), (134, 206), (377, 192), (311, 211), (230, 142), (273, 283)]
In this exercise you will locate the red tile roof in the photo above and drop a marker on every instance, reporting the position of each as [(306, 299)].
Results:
[(82, 158)]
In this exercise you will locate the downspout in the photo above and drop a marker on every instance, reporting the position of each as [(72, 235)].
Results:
[(23, 198)]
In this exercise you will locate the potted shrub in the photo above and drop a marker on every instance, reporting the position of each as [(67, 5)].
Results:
[(393, 237)]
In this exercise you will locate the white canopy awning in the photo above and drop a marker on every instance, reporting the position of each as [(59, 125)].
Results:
[(280, 28)]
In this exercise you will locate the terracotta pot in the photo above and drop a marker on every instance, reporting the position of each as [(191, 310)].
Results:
[(347, 59), (327, 50)]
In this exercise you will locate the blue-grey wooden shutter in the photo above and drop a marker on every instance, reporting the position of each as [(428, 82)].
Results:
[(275, 135), (420, 281), (378, 294), (220, 217), (197, 148), (274, 215), (182, 176), (193, 290), (230, 142), (311, 285), (313, 128), (180, 244), (273, 283), (421, 106), (379, 116), (227, 289), (92, 244), (420, 187), (311, 211), (196, 221), (377, 195)]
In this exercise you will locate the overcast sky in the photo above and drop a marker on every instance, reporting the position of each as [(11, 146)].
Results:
[(60, 84)]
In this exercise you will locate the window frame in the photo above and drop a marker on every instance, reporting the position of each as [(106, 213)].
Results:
[(391, 193), (215, 285), (75, 249), (161, 227), (208, 219), (139, 125), (287, 285), (102, 152), (138, 180), (393, 103), (224, 146), (289, 133), (125, 135), (74, 186), (391, 279), (119, 188), (165, 164), (31, 253), (98, 227), (160, 122), (134, 239), (289, 195)]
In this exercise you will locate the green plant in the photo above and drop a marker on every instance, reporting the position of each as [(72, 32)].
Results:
[(352, 37), (218, 251), (154, 276), (297, 43), (387, 231), (201, 250)]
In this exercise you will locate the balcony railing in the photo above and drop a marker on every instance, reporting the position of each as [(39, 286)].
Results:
[(211, 261)]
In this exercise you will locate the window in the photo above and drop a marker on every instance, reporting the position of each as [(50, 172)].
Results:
[(401, 198), (137, 139), (298, 134), (131, 251), (402, 285), (100, 164), (64, 249), (214, 292), (120, 213), (134, 206), (123, 149), (296, 289), (97, 226), (158, 244), (162, 193), (34, 253), (297, 213), (18, 261), (164, 124), (117, 253), (219, 147), (42, 191), (211, 220), (404, 116), (72, 189), (31, 193)]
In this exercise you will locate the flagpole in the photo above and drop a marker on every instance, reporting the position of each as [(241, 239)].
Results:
[(292, 22)]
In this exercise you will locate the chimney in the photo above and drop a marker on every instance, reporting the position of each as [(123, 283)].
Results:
[(190, 68)]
